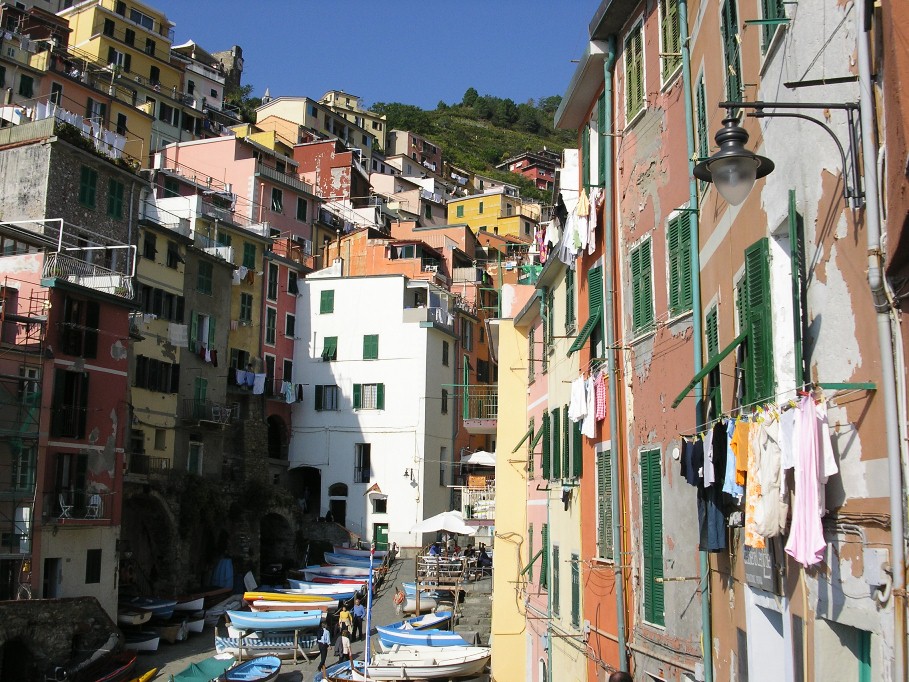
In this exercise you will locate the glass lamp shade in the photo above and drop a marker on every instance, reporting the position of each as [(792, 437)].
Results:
[(734, 177)]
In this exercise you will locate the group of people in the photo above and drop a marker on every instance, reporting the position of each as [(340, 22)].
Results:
[(349, 629)]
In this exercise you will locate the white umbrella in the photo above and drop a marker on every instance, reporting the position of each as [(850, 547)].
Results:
[(480, 458), (450, 521)]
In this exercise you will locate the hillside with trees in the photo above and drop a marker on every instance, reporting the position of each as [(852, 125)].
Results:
[(482, 131)]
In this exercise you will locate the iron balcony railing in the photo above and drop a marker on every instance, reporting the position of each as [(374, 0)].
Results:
[(283, 178), (479, 503), (75, 504), (480, 401), (138, 464), (78, 271), (207, 411)]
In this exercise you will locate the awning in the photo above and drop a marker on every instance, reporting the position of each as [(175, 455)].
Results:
[(330, 349), (527, 435), (480, 458), (586, 330), (709, 367)]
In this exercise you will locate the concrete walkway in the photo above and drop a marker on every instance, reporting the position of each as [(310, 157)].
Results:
[(475, 612)]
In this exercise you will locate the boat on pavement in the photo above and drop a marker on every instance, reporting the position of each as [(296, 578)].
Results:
[(275, 620), (328, 604), (421, 631), (142, 640), (413, 663), (355, 551), (260, 669)]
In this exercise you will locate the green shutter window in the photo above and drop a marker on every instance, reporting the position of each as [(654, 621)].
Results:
[(712, 336), (545, 457), (566, 442), (634, 72), (317, 403), (570, 319), (652, 527), (249, 255), (330, 348), (594, 305), (575, 590), (556, 441), (585, 157), (531, 353), (530, 554), (550, 320), (193, 332), (115, 192), (729, 33), (771, 10), (555, 580), (642, 288), (701, 115), (678, 238), (530, 430), (357, 396), (327, 302), (380, 396), (601, 140), (604, 500), (759, 383), (211, 332), (88, 186), (577, 452), (544, 563), (460, 210), (669, 31), (371, 347)]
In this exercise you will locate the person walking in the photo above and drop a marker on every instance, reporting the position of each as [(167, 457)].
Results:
[(359, 613), (345, 622), (344, 646), (400, 598), (324, 643)]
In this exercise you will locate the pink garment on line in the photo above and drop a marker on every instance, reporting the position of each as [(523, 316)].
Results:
[(599, 385), (806, 537)]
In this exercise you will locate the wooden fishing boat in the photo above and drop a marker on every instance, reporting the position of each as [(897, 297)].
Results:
[(142, 640), (329, 604), (280, 644), (281, 596), (160, 608), (146, 676), (207, 669), (421, 631), (110, 668), (195, 602), (413, 663), (171, 631), (132, 616), (427, 603), (275, 620), (355, 551), (336, 559), (335, 572), (195, 622), (260, 669)]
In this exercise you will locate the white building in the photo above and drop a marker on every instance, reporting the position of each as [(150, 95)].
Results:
[(372, 439)]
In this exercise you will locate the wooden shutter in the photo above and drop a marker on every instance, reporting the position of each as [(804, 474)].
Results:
[(604, 498), (595, 288), (760, 331), (556, 440), (357, 396), (555, 580), (530, 431), (211, 333), (371, 347), (544, 563), (701, 114), (711, 332), (652, 521), (731, 51), (566, 442), (601, 146), (577, 451), (92, 323), (530, 555), (642, 291), (317, 403), (545, 457), (669, 26), (575, 590), (380, 396), (569, 299), (585, 156), (678, 237), (193, 331), (327, 301)]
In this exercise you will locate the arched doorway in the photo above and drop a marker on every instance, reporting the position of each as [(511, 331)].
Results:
[(16, 660), (277, 437), (337, 502), (305, 484), (147, 544)]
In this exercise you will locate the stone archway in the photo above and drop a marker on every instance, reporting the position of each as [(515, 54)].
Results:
[(305, 484), (16, 660), (150, 549)]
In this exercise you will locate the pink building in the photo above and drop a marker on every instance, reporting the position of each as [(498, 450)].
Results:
[(335, 171)]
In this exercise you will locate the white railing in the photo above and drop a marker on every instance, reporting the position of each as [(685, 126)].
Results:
[(78, 271)]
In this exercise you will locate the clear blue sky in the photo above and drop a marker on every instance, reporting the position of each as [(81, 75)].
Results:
[(411, 51)]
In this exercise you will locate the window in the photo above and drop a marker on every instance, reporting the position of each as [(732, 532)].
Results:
[(246, 308), (642, 288), (592, 328), (301, 209), (271, 292), (204, 277), (445, 353), (327, 302), (544, 563), (96, 111), (444, 401), (755, 312), (292, 287), (369, 396), (634, 72), (652, 531), (443, 466), (2, 76), (88, 186), (703, 140), (138, 17), (362, 470), (150, 47), (773, 11), (194, 458), (427, 211), (556, 605), (56, 93), (149, 246), (567, 429), (70, 404), (604, 502), (115, 190), (712, 336), (271, 323), (171, 187), (160, 439), (480, 209), (120, 8), (570, 317), (729, 33), (575, 590), (287, 370), (201, 332), (290, 325), (173, 255), (330, 348), (129, 37), (530, 554), (544, 435), (531, 353), (92, 566), (678, 244), (79, 333), (108, 28), (154, 75), (466, 333), (277, 200), (669, 34), (460, 211), (115, 58), (555, 433), (155, 375), (249, 255), (327, 398), (550, 322), (371, 347)]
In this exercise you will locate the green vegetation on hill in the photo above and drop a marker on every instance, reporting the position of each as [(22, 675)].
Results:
[(482, 131)]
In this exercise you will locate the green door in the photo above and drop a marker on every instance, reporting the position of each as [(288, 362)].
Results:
[(380, 535)]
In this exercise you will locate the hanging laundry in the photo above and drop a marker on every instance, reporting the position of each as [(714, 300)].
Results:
[(708, 471), (552, 234), (596, 199), (600, 387), (740, 441), (214, 358), (772, 521), (730, 485), (207, 355), (753, 508), (583, 222), (577, 405), (693, 460), (259, 384), (287, 389), (241, 377), (588, 426), (178, 335), (250, 277)]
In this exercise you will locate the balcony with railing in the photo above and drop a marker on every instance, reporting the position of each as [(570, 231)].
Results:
[(430, 317), (77, 271), (78, 506), (280, 178), (480, 408), (469, 274), (208, 412), (213, 248), (478, 505), (141, 467)]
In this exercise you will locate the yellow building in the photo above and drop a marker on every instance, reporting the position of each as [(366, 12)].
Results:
[(351, 107), (155, 360), (499, 211)]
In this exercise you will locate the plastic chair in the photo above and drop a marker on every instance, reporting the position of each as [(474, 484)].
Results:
[(93, 510), (65, 508)]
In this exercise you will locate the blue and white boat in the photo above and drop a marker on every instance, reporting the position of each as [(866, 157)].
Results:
[(336, 572), (413, 663), (160, 608), (275, 620), (341, 591), (421, 631), (336, 559), (356, 551), (259, 669)]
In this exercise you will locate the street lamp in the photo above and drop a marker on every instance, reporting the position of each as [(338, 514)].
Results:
[(733, 169)]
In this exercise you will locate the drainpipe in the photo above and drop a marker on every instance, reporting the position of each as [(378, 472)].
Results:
[(706, 629), (885, 338), (609, 322)]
